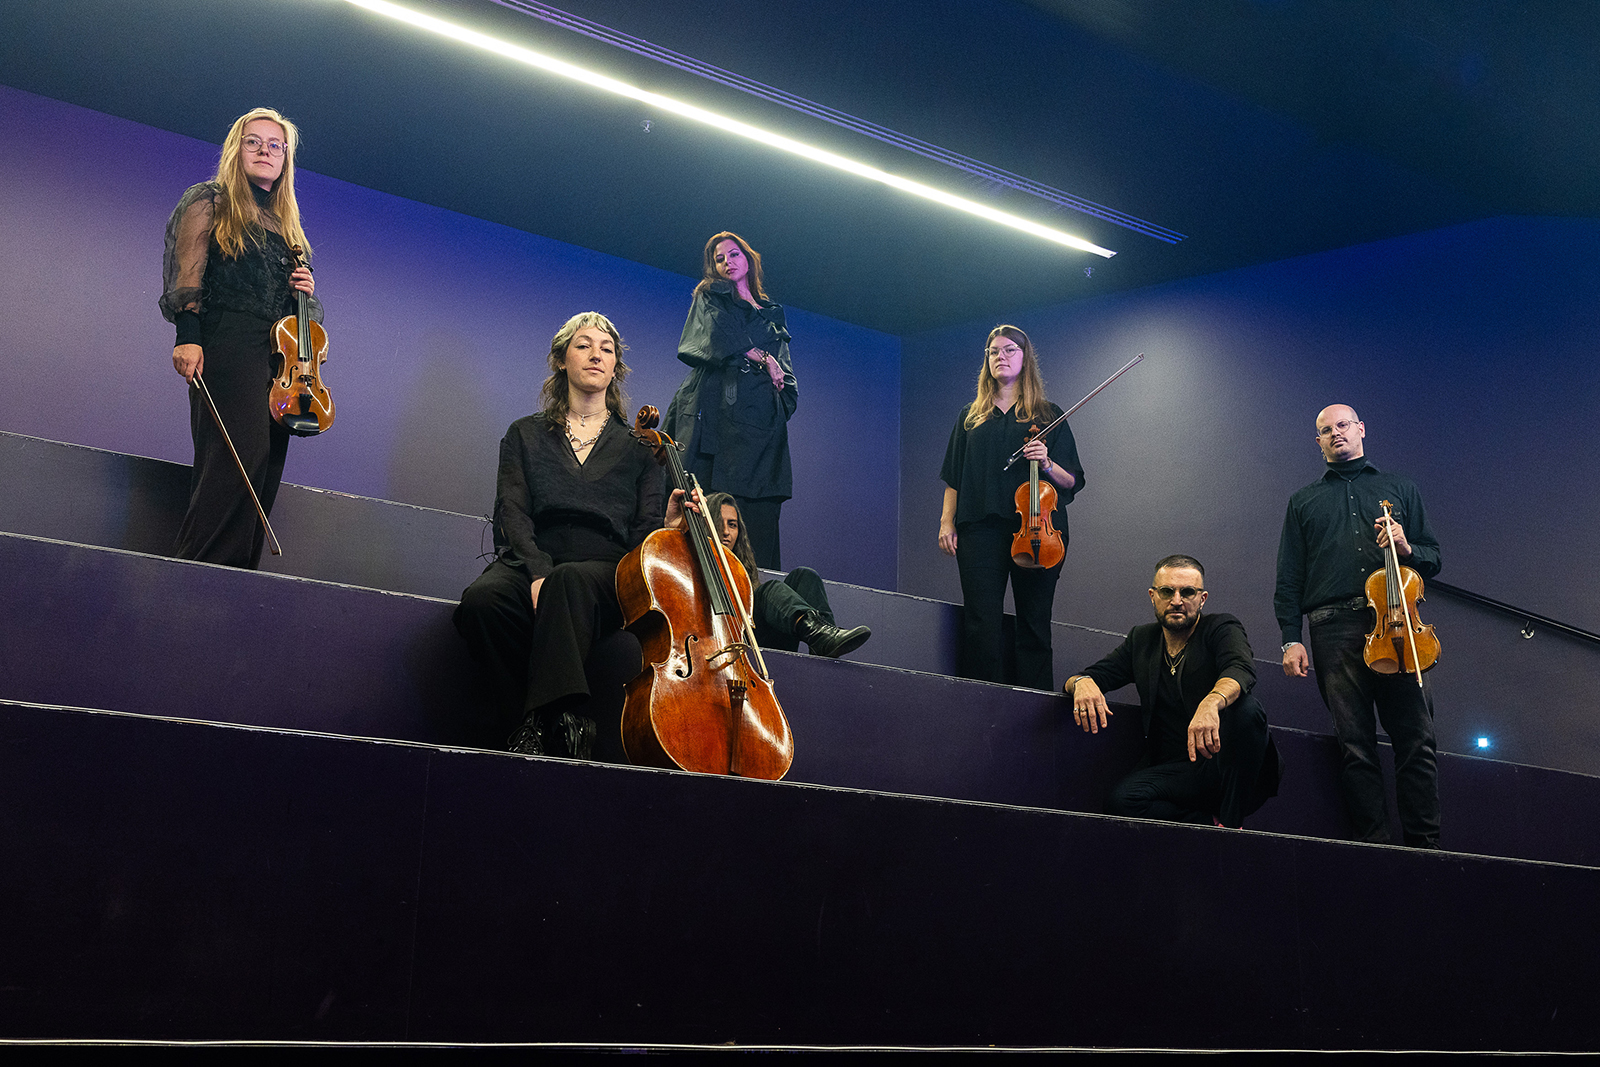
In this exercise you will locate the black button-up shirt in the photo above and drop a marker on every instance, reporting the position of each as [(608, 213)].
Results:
[(1328, 547)]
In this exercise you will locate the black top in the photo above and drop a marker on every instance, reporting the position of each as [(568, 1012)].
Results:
[(1328, 547), (1218, 648), (197, 277), (973, 462), (615, 493), (727, 412)]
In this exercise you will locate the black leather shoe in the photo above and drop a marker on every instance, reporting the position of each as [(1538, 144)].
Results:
[(827, 640), (525, 739)]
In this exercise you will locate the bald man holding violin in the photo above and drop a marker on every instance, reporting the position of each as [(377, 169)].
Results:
[(1333, 537)]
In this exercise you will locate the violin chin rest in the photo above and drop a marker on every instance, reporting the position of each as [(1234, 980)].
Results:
[(301, 425)]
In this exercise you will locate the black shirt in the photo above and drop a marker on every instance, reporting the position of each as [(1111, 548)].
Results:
[(1328, 547), (198, 277), (973, 462), (616, 494), (1218, 648)]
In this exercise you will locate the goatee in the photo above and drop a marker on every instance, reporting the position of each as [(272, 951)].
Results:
[(1186, 626)]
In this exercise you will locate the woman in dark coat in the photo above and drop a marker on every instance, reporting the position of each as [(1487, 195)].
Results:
[(733, 410)]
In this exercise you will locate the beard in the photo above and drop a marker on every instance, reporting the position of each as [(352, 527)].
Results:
[(1172, 627)]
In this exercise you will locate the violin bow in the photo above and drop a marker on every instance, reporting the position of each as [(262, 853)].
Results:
[(1125, 368), (272, 538), (727, 576), (1405, 609)]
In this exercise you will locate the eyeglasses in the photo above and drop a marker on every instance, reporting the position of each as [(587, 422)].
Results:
[(1343, 426), (255, 144), (1166, 592)]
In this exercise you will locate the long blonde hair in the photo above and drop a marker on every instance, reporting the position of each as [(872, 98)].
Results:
[(236, 219), (557, 401), (1031, 401)]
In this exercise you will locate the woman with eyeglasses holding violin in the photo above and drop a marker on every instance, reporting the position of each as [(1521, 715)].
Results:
[(979, 520), (228, 274)]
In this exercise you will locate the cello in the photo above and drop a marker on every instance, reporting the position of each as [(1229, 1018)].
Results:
[(703, 700), (298, 400), (1399, 641), (1037, 544)]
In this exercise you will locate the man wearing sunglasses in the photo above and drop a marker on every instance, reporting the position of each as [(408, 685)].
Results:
[(1334, 536), (1208, 756)]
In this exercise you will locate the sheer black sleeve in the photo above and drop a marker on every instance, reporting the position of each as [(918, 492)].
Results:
[(188, 242)]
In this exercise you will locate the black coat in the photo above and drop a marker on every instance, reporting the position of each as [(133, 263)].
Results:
[(733, 422), (1218, 648)]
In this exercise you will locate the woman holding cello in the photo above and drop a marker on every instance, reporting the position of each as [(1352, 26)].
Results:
[(985, 503), (575, 493), (227, 275)]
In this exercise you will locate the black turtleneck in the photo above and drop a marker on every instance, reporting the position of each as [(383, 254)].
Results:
[(1328, 547)]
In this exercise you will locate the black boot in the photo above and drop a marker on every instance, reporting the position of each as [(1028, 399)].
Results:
[(825, 639), (526, 740), (552, 732)]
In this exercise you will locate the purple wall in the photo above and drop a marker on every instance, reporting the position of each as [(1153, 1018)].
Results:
[(438, 321), (1468, 353), (1466, 350)]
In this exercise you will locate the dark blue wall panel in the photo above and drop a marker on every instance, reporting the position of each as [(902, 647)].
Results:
[(1468, 353)]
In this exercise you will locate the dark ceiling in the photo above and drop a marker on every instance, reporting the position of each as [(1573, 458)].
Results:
[(1260, 129)]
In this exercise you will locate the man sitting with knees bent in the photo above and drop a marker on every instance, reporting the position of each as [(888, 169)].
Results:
[(1208, 755)]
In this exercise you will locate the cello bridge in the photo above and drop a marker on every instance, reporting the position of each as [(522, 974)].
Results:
[(726, 655)]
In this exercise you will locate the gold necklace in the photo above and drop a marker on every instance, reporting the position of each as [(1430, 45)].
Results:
[(1174, 662)]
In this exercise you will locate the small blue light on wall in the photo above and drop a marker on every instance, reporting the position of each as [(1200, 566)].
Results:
[(1483, 742)]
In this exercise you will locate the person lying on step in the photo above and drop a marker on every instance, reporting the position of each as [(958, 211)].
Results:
[(789, 611)]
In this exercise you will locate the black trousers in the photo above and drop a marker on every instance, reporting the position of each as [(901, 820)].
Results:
[(221, 525), (983, 556), (1351, 690), (534, 659), (1228, 786), (760, 516), (778, 603)]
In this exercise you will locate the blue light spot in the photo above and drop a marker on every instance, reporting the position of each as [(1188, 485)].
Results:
[(1483, 742)]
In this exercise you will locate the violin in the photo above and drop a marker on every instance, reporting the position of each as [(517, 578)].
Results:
[(703, 700), (1399, 641), (1037, 544), (298, 400)]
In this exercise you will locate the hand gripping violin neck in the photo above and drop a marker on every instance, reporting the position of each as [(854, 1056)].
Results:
[(298, 400), (703, 700), (1037, 544), (1399, 641)]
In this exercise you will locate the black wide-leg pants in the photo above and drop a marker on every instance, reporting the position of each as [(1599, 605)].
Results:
[(221, 525), (535, 658), (983, 556)]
